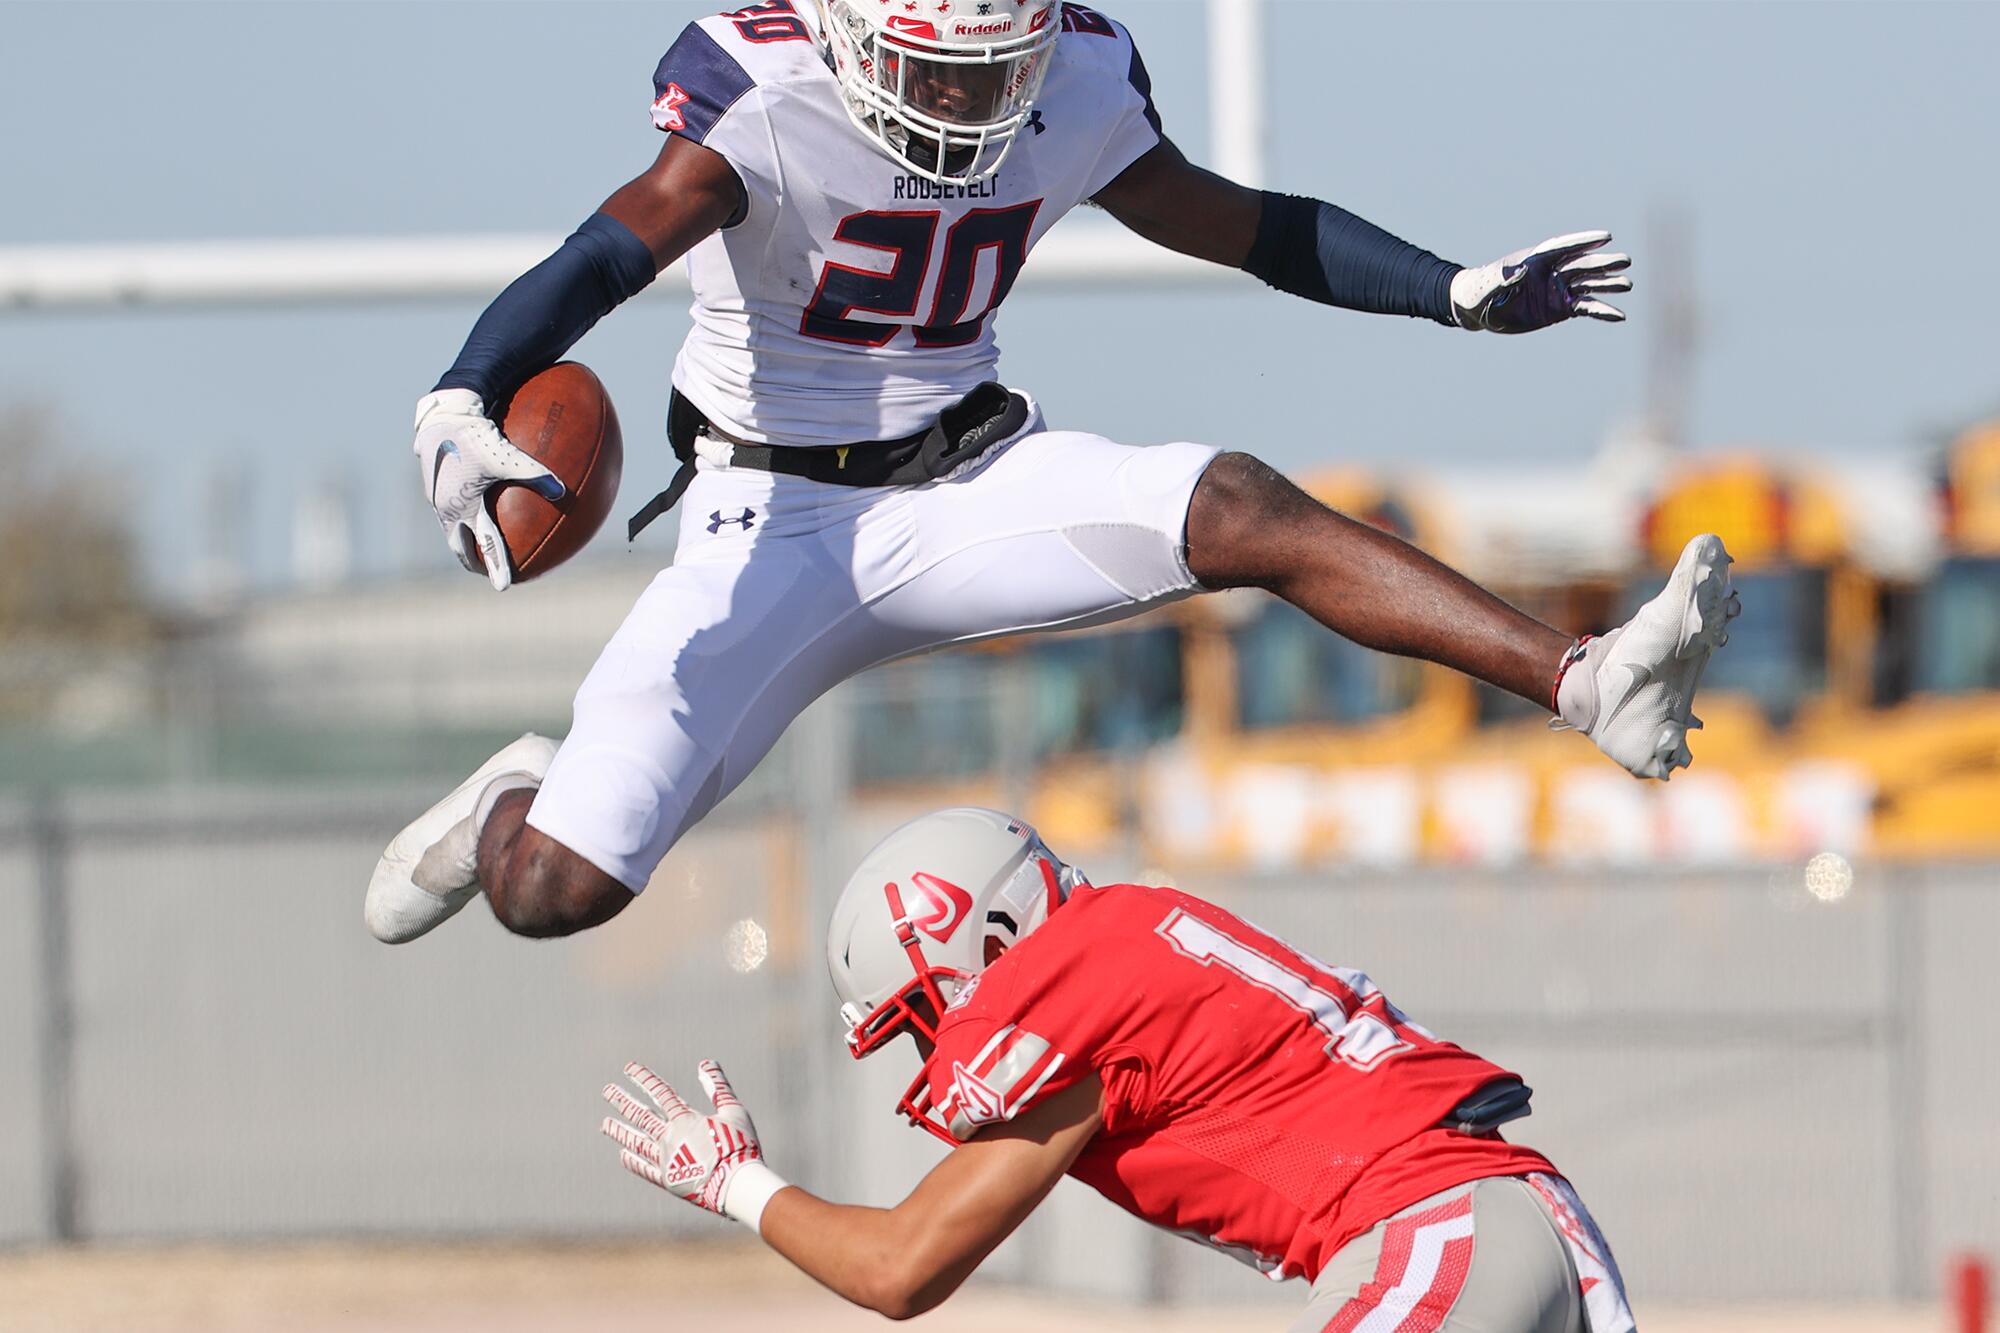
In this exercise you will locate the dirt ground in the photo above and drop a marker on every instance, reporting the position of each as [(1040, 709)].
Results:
[(738, 1287)]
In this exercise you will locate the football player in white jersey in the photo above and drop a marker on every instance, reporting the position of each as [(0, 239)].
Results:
[(855, 185)]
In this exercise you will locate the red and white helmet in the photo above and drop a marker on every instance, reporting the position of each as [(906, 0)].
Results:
[(942, 85), (929, 909)]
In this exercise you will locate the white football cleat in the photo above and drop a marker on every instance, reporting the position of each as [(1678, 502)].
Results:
[(430, 869), (1632, 690)]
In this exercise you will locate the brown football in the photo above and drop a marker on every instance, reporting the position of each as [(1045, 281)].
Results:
[(564, 420)]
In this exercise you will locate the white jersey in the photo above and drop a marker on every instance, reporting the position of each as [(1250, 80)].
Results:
[(853, 300)]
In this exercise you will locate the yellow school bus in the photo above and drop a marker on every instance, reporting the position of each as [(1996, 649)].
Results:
[(1856, 707), (1936, 746)]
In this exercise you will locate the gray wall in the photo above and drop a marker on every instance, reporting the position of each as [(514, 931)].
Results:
[(1760, 1094)]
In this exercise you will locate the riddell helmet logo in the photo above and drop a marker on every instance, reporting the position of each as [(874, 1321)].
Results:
[(996, 28), (945, 906)]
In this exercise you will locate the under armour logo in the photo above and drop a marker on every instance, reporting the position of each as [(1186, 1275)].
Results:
[(1035, 122), (716, 522)]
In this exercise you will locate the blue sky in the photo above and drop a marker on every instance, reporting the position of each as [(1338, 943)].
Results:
[(1835, 161)]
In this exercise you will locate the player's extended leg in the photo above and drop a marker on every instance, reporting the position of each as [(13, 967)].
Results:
[(563, 840), (1248, 526), (536, 886)]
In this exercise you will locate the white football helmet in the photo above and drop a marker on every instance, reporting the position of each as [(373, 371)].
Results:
[(942, 85), (929, 909)]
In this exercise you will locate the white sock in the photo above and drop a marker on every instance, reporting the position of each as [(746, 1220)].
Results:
[(1576, 694), (499, 785)]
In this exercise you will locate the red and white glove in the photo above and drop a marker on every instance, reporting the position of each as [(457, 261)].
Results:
[(712, 1161)]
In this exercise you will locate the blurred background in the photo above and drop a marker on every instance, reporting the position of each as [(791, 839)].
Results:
[(1758, 1004)]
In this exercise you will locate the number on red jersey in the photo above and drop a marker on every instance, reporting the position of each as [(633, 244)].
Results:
[(1360, 1023)]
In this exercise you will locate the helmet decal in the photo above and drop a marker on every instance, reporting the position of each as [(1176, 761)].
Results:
[(946, 905)]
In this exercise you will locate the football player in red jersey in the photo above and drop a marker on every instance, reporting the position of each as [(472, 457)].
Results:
[(1196, 1071)]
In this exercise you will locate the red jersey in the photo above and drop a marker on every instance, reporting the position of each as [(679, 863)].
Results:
[(1255, 1098)]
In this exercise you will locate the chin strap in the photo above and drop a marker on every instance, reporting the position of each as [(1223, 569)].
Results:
[(906, 935)]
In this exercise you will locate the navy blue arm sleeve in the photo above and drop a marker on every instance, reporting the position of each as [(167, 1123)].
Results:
[(1327, 254), (545, 310)]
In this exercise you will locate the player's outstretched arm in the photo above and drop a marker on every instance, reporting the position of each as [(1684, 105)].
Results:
[(687, 193), (905, 1260), (1326, 254), (897, 1261)]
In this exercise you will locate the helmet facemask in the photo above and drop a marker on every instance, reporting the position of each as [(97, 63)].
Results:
[(941, 102), (869, 1032)]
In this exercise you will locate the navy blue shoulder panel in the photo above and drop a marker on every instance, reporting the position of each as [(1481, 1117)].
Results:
[(1143, 81), (696, 83)]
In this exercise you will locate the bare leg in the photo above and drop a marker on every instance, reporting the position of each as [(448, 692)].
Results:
[(535, 885), (1248, 526)]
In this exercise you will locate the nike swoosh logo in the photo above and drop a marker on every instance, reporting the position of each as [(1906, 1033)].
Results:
[(1641, 677), (437, 466)]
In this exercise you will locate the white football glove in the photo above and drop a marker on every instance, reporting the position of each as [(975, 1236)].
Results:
[(1532, 289), (462, 455), (712, 1161)]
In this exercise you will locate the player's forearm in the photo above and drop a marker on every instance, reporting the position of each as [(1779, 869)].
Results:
[(1326, 254), (546, 310), (874, 1257)]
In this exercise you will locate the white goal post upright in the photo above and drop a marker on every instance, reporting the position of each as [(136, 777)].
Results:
[(1236, 89), (335, 270)]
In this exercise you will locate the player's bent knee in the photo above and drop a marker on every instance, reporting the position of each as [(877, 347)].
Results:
[(1242, 523), (543, 889)]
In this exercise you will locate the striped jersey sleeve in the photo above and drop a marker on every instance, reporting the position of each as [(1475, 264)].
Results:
[(696, 85), (710, 88), (983, 1073)]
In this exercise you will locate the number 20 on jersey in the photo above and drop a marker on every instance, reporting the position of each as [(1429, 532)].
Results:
[(908, 238)]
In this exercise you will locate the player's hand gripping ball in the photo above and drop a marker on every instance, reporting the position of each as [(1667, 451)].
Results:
[(690, 1155), (517, 500)]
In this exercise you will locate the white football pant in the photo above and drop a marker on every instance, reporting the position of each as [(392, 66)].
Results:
[(783, 587)]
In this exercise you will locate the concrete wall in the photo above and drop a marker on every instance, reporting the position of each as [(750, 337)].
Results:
[(1759, 1093)]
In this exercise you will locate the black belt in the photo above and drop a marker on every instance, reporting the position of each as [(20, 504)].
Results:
[(963, 431)]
